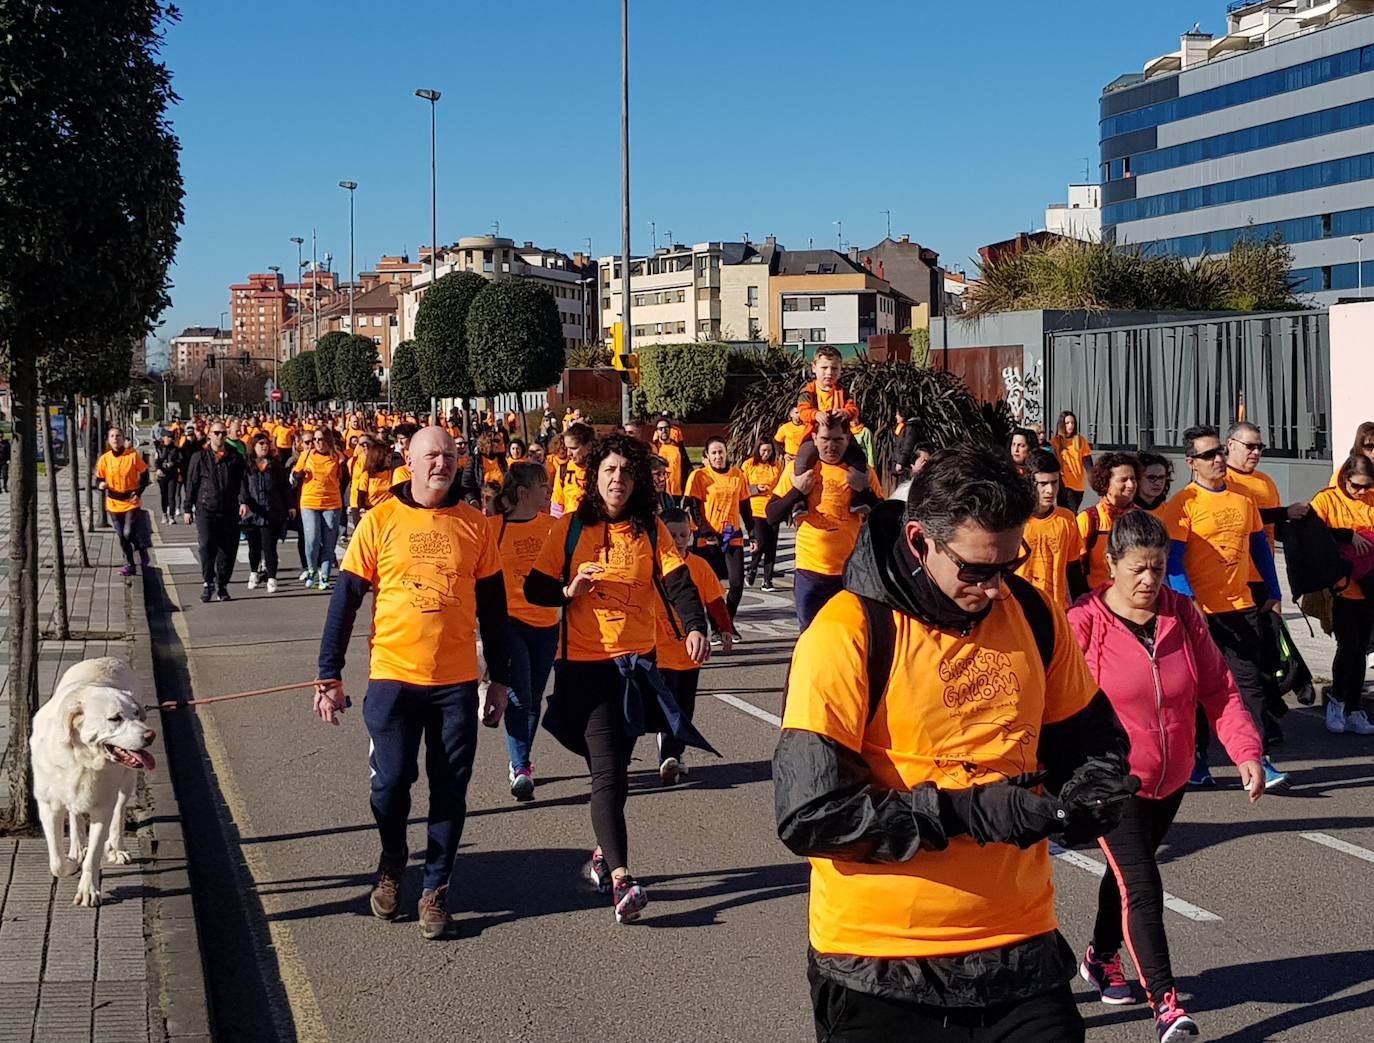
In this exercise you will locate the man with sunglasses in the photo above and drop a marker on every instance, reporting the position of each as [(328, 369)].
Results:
[(1217, 546), (214, 481), (940, 725), (1244, 449)]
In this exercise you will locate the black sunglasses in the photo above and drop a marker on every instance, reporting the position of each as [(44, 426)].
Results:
[(1253, 447), (978, 573), (1211, 454)]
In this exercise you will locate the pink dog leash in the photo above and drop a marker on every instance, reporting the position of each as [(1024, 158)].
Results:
[(173, 705)]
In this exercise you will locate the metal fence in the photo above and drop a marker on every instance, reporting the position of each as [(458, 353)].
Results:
[(1140, 387)]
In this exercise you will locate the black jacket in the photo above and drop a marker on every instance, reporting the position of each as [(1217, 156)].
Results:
[(827, 806), (266, 493), (167, 462), (215, 486)]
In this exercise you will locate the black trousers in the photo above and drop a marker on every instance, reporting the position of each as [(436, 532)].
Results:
[(217, 539), (683, 685), (1353, 622), (1132, 893), (262, 549), (766, 536), (729, 566), (1070, 498), (808, 456), (167, 492), (1241, 636), (844, 1015)]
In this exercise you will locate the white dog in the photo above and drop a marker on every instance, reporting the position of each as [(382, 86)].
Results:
[(88, 741)]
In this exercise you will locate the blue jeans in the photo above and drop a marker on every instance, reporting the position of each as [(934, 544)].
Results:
[(811, 591), (531, 658), (397, 715), (321, 532)]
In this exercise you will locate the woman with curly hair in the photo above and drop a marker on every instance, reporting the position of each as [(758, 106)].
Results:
[(1115, 478), (612, 567)]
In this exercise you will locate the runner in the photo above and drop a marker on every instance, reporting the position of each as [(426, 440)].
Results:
[(1115, 479), (122, 473), (1153, 655), (1055, 566), (718, 501), (522, 525), (570, 482), (675, 663), (432, 567), (923, 807), (607, 564), (1075, 459), (761, 472)]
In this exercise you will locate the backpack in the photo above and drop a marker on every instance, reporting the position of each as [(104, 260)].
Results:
[(1312, 559), (1094, 532), (882, 636)]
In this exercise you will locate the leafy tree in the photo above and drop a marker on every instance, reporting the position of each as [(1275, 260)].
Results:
[(89, 183), (514, 337), (683, 379), (441, 335), (589, 356), (326, 348), (355, 369), (407, 393), (297, 378)]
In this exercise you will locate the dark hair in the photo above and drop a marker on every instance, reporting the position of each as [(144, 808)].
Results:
[(1154, 460), (829, 420), (1355, 463), (1059, 430), (1032, 439), (408, 430), (1136, 530), (377, 458), (1042, 461), (655, 460), (1109, 462), (1364, 431), (968, 484), (829, 351), (520, 475), (1191, 436), (764, 440), (580, 433), (642, 510), (1239, 426), (524, 446), (713, 440), (674, 516)]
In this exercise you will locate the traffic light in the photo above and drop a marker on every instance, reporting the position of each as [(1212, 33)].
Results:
[(625, 363)]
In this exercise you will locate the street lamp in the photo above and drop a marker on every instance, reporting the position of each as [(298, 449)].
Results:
[(219, 363), (300, 286), (350, 186), (432, 96), (626, 325), (275, 269), (1359, 261)]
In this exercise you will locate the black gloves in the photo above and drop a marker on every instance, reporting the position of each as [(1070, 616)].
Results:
[(1095, 800), (1009, 812)]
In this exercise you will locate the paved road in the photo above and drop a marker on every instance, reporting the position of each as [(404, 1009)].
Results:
[(1270, 927)]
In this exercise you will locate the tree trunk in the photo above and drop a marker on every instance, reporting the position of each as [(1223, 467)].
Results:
[(73, 467), (59, 552), (23, 565), (91, 453), (97, 447)]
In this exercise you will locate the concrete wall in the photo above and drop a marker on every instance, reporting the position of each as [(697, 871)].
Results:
[(1352, 373)]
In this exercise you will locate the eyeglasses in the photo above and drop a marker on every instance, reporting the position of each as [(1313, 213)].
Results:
[(979, 573), (219, 432), (1255, 447), (1210, 454)]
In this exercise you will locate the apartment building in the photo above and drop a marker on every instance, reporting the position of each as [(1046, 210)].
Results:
[(826, 297), (911, 269), (194, 345), (1263, 130), (1080, 217)]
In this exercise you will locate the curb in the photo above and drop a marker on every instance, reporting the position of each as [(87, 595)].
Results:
[(179, 1007)]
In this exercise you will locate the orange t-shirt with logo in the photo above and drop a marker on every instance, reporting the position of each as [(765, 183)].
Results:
[(761, 474), (1053, 542), (423, 566), (1339, 511), (720, 495), (519, 544), (828, 531), (320, 490), (672, 645), (672, 452), (959, 711), (120, 474), (617, 617), (1072, 452), (569, 486), (1215, 529)]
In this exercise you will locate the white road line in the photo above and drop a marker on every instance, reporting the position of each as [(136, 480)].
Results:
[(1092, 865), (1335, 844), (749, 708)]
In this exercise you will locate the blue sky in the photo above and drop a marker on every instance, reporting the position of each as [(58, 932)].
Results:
[(760, 116)]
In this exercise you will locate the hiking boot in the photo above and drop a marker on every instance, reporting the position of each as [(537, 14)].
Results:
[(434, 919), (629, 899), (1107, 977), (1172, 1021), (385, 898)]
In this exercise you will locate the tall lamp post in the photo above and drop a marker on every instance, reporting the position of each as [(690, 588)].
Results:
[(1359, 261), (627, 327), (219, 364), (351, 186), (275, 269), (433, 96), (300, 286)]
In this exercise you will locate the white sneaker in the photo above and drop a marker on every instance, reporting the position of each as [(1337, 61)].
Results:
[(1335, 717), (305, 575), (1358, 722), (252, 581), (271, 586)]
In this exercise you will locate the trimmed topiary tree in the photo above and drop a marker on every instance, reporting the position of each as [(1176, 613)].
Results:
[(355, 370), (682, 379), (325, 350), (441, 335), (514, 338), (297, 378), (407, 394)]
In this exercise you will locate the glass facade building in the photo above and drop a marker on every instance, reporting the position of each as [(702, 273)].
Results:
[(1266, 131)]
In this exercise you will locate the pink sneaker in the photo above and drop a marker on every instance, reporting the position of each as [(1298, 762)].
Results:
[(629, 898), (1107, 977), (1172, 1021)]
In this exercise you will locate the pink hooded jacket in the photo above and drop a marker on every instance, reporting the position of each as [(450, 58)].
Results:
[(1156, 697)]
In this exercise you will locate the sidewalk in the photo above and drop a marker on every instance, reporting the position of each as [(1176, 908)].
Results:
[(131, 969)]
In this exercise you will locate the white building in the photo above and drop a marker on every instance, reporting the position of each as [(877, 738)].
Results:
[(194, 345), (1080, 217)]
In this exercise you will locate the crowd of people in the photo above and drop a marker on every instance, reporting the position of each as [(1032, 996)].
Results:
[(983, 663)]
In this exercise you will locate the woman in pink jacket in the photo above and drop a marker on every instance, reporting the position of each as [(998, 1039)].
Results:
[(1150, 651)]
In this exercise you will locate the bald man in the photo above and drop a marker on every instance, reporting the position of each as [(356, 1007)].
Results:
[(434, 571)]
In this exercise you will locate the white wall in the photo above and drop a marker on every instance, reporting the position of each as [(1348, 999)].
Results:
[(1352, 373), (840, 320)]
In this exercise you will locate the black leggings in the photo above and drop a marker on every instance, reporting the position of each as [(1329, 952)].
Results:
[(729, 566), (683, 685), (262, 549), (608, 761), (1133, 893), (1353, 622), (766, 536), (166, 490), (1252, 658)]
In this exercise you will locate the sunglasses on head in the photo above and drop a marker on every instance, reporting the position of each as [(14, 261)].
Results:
[(1210, 454), (978, 573)]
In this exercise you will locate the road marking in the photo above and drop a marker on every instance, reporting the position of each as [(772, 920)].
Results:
[(1336, 844), (1092, 865), (300, 993), (749, 708)]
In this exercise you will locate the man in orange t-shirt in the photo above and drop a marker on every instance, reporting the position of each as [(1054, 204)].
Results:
[(431, 564), (123, 474)]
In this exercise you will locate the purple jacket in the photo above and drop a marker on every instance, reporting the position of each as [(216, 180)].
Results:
[(1156, 697)]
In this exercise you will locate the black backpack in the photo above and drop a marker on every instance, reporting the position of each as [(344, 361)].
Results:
[(1311, 557)]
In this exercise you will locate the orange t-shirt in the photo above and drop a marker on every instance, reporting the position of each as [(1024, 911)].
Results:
[(1339, 511), (760, 474), (283, 435), (1072, 452), (828, 531), (519, 544), (320, 490), (1095, 558), (672, 452), (791, 436), (120, 474), (423, 565), (1260, 490), (959, 711), (815, 399), (569, 486), (400, 474), (720, 496), (1215, 529), (1054, 542), (372, 489), (617, 617), (672, 645)]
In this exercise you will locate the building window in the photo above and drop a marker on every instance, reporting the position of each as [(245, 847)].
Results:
[(605, 304), (640, 300), (789, 304), (751, 295), (817, 304), (703, 325), (793, 336), (658, 328), (817, 335)]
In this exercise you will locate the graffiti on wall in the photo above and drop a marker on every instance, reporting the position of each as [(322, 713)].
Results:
[(1023, 393)]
